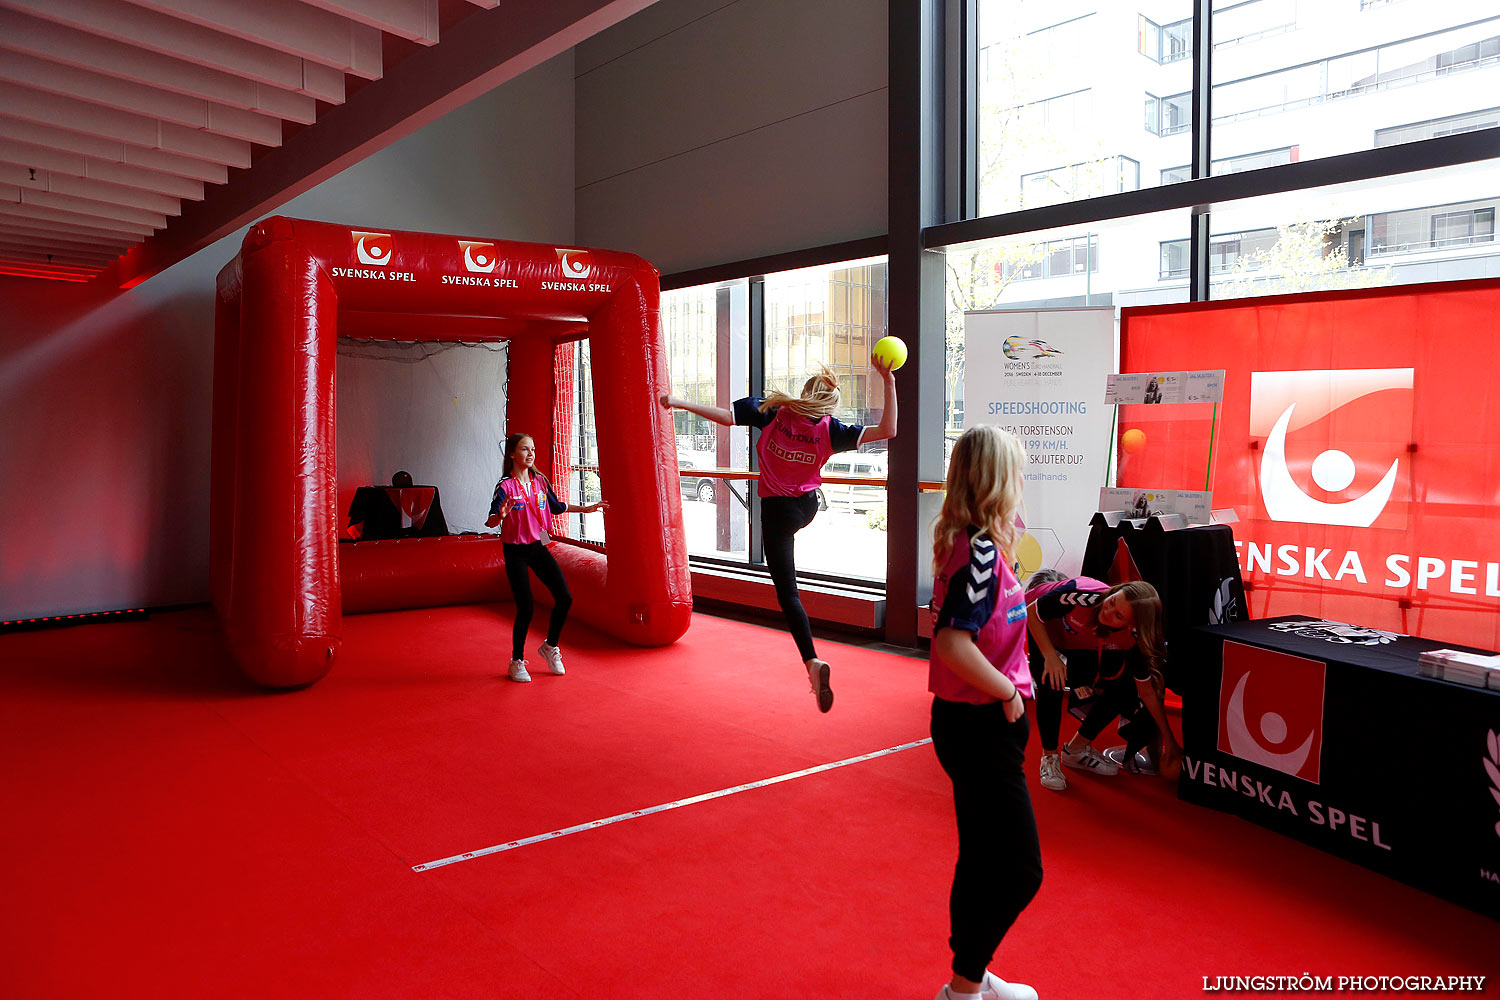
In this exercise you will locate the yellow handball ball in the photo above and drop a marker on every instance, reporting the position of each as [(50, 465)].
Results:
[(891, 351)]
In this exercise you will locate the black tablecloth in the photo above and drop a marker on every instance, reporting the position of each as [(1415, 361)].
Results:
[(397, 512), (1194, 569), (1401, 773)]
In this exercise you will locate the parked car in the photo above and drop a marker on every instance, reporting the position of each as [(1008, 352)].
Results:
[(697, 487), (856, 497)]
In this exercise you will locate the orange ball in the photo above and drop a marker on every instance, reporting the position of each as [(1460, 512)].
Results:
[(1133, 440)]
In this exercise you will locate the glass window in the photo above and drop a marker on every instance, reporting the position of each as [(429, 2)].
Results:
[(848, 538), (1397, 230), (583, 447), (1471, 121), (707, 334), (1113, 263), (1057, 115), (1325, 81)]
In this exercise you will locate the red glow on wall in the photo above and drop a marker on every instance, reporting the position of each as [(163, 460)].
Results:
[(19, 271)]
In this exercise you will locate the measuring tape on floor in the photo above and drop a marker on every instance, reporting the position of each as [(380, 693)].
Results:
[(664, 807)]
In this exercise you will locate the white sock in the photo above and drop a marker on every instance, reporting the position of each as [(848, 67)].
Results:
[(954, 993)]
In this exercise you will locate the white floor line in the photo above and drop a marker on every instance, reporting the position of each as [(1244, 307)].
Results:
[(678, 804)]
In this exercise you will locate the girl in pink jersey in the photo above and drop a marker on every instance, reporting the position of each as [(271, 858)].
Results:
[(978, 677), (1110, 641), (523, 506), (797, 435)]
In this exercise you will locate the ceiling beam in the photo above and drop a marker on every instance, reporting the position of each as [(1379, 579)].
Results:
[(23, 154), (143, 99), (102, 210), (43, 255), (491, 47), (136, 130), (416, 20), (288, 26), (114, 152), (11, 207), (172, 36), (44, 180), (60, 43), (21, 236), (40, 229)]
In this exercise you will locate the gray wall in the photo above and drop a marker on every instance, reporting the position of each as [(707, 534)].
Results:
[(105, 397), (712, 131)]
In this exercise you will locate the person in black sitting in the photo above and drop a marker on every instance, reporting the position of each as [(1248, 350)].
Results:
[(401, 510)]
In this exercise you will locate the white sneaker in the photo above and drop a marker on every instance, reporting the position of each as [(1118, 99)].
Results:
[(553, 656), (1052, 776), (995, 988), (1088, 759), (817, 675), (517, 672)]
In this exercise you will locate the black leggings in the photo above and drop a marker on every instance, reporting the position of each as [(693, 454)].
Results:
[(999, 866), (518, 559), (1113, 699), (780, 520)]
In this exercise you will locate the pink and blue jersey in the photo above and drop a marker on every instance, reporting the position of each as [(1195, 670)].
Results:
[(533, 514), (977, 592), (793, 448), (1069, 609)]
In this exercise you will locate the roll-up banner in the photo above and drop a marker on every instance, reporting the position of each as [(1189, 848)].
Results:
[(1040, 374)]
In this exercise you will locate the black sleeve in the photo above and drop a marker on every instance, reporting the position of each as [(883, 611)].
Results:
[(555, 505), (498, 499), (1064, 598), (971, 593), (844, 437), (1135, 662), (747, 412)]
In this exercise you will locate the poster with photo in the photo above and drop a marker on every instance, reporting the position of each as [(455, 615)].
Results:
[(1196, 506), (1165, 387)]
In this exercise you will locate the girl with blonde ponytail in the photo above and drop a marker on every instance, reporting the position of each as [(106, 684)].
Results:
[(978, 677), (797, 435)]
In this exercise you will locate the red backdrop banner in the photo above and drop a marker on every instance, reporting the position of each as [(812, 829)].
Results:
[(1358, 442)]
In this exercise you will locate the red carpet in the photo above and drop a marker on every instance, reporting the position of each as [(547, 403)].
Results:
[(172, 832)]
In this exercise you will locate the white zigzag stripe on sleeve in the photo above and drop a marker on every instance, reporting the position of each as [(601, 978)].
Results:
[(975, 596), (984, 558), (980, 576)]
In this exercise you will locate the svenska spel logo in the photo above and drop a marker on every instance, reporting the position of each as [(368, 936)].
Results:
[(575, 263), (373, 248), (479, 258), (1271, 710), (1334, 442)]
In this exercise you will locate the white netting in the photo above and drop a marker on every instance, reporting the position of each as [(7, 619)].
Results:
[(436, 410)]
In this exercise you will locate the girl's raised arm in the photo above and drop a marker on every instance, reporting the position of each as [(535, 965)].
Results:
[(717, 414)]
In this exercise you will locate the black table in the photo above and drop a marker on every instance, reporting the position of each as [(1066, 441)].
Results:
[(1193, 568), (1325, 732)]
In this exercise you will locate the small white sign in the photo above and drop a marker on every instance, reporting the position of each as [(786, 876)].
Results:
[(1195, 506), (1165, 387)]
